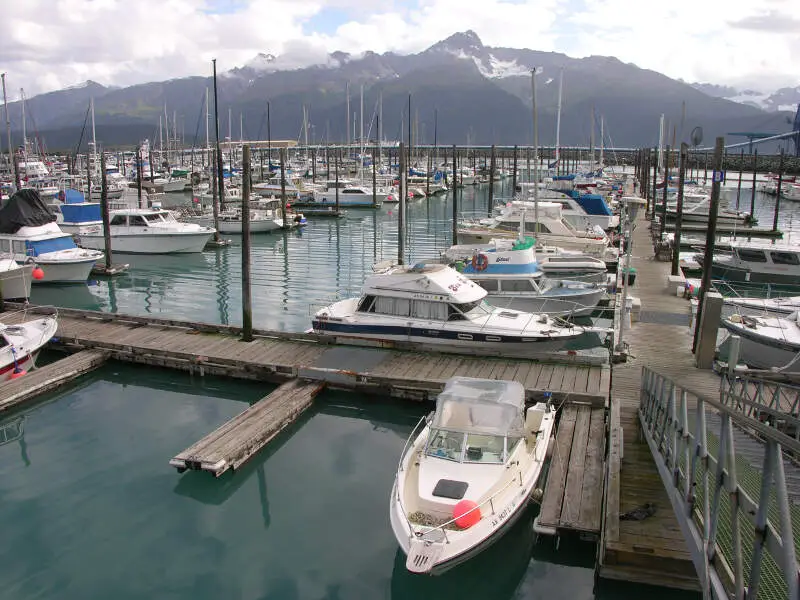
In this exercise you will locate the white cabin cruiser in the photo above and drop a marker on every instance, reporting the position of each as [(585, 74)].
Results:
[(768, 342), (761, 307), (571, 209), (757, 262), (468, 475), (435, 307), (513, 279), (546, 223), (350, 194), (147, 231), (20, 345), (28, 231)]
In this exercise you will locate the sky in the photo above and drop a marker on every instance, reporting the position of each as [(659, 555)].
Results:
[(52, 44)]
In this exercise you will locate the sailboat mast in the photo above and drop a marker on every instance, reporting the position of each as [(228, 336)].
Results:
[(347, 111), (207, 117), (591, 142), (24, 125), (11, 160), (361, 130), (558, 114), (602, 138), (661, 143)]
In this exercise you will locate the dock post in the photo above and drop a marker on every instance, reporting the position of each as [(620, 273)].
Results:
[(104, 209), (753, 191), (655, 184), (491, 181), (313, 165), (247, 308), (664, 195), (711, 233), (214, 198), (778, 194), (733, 353), (401, 216), (283, 186), (89, 177), (139, 166), (336, 176), (455, 201), (375, 158), (676, 250), (706, 328), (739, 185), (514, 173)]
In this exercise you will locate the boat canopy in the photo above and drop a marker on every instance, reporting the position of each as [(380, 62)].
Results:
[(24, 209), (39, 247), (484, 406)]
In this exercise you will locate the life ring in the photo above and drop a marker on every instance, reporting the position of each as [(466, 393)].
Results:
[(480, 262)]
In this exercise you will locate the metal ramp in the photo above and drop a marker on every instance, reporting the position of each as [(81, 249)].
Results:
[(729, 468)]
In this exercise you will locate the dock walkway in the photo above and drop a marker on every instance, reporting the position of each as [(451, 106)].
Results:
[(49, 377), (652, 549), (231, 444), (277, 356)]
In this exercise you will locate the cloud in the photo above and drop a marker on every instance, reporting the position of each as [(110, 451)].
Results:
[(51, 44), (771, 21)]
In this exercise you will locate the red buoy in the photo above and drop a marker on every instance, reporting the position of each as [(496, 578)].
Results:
[(464, 515), (37, 273), (17, 374)]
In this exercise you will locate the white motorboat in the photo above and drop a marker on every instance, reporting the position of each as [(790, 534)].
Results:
[(15, 279), (546, 223), (147, 231), (20, 345), (761, 307), (757, 262), (554, 263), (350, 194), (512, 278), (435, 307), (28, 231), (768, 342), (571, 209), (467, 476)]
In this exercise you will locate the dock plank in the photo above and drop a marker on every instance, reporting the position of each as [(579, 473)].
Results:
[(592, 485), (48, 377), (231, 444), (570, 513), (550, 514)]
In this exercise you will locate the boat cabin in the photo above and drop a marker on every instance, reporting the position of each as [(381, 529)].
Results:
[(141, 218)]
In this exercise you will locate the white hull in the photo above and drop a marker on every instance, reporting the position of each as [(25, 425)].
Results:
[(65, 271), (15, 284), (23, 342), (177, 185), (768, 347), (149, 243), (256, 226)]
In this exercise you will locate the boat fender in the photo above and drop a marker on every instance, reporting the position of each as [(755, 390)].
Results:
[(17, 374), (480, 262)]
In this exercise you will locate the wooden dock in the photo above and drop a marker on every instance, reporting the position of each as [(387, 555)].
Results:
[(573, 492), (49, 377), (278, 356), (233, 443), (649, 549)]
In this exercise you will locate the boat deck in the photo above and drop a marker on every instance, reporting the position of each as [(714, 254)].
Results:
[(48, 377), (230, 445), (573, 494)]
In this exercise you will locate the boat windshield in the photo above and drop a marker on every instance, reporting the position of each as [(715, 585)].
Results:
[(468, 447), (469, 310)]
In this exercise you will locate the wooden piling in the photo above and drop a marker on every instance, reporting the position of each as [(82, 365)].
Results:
[(711, 233), (401, 216), (514, 172), (753, 191), (336, 176), (492, 159), (104, 209), (778, 194), (655, 184), (664, 194), (139, 167), (247, 307), (739, 185), (282, 155), (455, 200), (676, 249)]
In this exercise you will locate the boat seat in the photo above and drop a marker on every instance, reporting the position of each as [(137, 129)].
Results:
[(448, 488)]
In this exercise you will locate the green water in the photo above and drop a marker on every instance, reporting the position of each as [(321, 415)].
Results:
[(91, 508)]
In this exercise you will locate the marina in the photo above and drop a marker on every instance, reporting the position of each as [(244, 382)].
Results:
[(550, 423)]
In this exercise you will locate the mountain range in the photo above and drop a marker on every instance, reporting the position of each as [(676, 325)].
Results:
[(460, 89)]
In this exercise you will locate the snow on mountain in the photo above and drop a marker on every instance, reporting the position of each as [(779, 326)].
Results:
[(782, 99), (261, 62)]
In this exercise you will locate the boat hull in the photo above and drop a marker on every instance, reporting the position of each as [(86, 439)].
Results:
[(167, 243), (437, 340), (72, 271), (256, 226), (16, 284), (733, 273), (761, 352)]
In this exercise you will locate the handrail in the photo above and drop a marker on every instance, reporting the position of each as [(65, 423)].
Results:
[(756, 395), (698, 474)]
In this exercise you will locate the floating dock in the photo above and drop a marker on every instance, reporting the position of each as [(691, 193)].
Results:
[(49, 377), (573, 495), (230, 445)]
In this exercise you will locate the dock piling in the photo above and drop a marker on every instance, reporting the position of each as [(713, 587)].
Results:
[(676, 249), (247, 308), (778, 194)]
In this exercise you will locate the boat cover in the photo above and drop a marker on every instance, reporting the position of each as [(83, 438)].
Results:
[(24, 209), (485, 406)]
